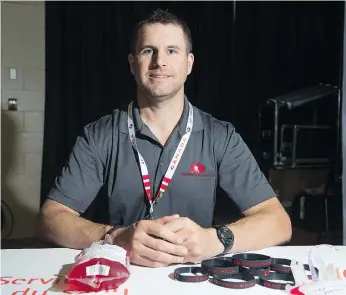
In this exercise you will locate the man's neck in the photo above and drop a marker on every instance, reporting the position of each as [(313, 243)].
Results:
[(163, 115)]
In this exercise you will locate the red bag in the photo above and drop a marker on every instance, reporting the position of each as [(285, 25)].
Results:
[(100, 267)]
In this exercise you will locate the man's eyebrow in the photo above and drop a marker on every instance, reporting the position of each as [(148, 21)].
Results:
[(147, 46), (174, 47), (153, 47)]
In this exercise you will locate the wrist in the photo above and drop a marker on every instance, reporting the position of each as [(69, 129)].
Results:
[(122, 236), (115, 235), (109, 233)]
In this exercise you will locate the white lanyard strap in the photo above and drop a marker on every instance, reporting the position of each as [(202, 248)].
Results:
[(173, 164)]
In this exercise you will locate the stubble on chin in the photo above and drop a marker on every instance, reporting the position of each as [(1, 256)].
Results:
[(156, 94)]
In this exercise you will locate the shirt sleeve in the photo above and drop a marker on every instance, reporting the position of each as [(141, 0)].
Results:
[(239, 174), (82, 176)]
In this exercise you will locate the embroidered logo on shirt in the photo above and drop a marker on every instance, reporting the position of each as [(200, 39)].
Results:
[(197, 170)]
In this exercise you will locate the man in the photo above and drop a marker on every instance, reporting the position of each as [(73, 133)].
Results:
[(161, 161)]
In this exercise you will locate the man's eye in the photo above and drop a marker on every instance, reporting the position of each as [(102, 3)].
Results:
[(172, 51), (147, 51)]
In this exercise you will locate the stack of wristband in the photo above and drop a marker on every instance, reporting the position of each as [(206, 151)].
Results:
[(241, 271)]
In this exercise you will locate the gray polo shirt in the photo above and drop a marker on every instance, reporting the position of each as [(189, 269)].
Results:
[(215, 156)]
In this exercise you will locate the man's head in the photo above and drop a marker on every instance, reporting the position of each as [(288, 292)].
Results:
[(161, 57)]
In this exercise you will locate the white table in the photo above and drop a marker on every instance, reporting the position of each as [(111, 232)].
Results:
[(27, 270)]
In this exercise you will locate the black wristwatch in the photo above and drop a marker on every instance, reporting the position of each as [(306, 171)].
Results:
[(225, 236)]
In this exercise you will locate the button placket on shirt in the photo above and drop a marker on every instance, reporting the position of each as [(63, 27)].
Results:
[(163, 162), (163, 155), (158, 156)]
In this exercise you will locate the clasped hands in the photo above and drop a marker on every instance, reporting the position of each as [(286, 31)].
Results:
[(169, 240)]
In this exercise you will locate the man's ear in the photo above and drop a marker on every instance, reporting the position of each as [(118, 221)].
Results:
[(131, 60), (190, 61)]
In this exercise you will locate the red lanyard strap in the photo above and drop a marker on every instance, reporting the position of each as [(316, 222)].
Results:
[(172, 166)]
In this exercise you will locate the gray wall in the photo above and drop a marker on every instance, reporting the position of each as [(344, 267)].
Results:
[(23, 48)]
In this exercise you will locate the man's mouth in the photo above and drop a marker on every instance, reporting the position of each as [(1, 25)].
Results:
[(158, 76)]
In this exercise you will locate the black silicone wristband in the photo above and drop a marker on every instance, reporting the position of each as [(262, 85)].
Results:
[(252, 260), (281, 265), (219, 265), (223, 281), (266, 281), (255, 272), (181, 274)]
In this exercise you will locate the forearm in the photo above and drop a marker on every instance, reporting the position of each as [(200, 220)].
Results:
[(261, 230), (69, 230)]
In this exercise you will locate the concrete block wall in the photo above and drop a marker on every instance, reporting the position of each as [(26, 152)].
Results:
[(23, 48)]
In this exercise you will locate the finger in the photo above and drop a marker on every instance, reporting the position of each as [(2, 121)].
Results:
[(145, 261), (179, 224), (193, 245), (161, 231), (159, 256), (166, 219), (187, 235), (164, 246)]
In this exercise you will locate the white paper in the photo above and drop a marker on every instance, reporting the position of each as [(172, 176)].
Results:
[(107, 251), (325, 288)]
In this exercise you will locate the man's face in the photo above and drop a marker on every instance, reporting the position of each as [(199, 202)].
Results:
[(161, 62)]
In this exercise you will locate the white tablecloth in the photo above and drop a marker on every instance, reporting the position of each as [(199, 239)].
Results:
[(25, 271)]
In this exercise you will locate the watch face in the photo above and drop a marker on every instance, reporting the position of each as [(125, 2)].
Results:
[(227, 233), (226, 237)]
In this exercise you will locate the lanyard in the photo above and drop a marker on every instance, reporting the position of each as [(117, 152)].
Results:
[(172, 166)]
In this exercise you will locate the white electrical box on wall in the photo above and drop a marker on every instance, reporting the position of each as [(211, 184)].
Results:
[(13, 73)]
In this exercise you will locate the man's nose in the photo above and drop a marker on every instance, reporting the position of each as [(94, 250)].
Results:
[(159, 59)]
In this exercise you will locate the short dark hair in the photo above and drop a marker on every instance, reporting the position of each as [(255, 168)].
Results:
[(162, 17)]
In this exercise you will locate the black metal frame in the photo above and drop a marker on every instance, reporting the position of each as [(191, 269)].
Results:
[(292, 101), (295, 161)]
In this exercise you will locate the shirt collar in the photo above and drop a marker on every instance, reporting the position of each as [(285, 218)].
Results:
[(139, 124)]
